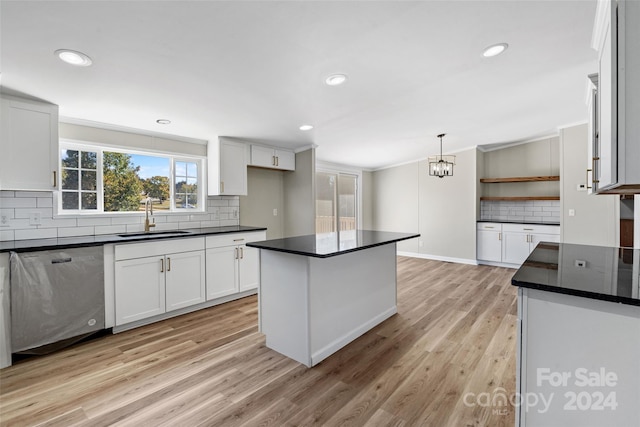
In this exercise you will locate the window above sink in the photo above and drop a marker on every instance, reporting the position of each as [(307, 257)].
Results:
[(97, 179)]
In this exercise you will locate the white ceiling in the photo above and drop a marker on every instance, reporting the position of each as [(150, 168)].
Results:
[(255, 70)]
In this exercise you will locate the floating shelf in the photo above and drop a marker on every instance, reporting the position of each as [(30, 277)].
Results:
[(521, 198), (521, 179)]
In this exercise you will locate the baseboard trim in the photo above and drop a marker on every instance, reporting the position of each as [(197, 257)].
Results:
[(498, 264), (439, 258), (336, 345)]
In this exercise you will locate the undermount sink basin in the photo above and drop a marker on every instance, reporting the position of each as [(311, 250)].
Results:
[(154, 233)]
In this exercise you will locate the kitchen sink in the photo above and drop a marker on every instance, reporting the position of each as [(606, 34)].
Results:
[(154, 233)]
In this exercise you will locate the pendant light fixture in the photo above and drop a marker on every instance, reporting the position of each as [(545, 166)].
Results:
[(441, 166)]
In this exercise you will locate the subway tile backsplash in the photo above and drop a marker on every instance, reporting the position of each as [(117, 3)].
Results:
[(546, 211), (17, 207)]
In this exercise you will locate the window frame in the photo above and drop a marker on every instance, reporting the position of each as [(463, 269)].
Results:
[(69, 144)]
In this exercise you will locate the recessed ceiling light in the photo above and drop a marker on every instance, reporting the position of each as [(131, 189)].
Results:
[(306, 127), (73, 57), (336, 79), (495, 50), (163, 122)]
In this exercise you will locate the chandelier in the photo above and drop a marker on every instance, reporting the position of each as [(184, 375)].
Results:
[(440, 165)]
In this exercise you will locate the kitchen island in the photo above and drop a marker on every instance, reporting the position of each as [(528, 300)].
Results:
[(319, 292), (578, 337)]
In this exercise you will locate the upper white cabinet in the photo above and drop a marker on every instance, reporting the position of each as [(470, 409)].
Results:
[(616, 150), (272, 158), (227, 172), (29, 145)]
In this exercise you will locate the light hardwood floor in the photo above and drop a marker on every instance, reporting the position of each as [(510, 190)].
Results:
[(454, 334)]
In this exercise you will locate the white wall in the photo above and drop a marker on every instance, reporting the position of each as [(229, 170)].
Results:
[(596, 220), (442, 210), (366, 188), (265, 193), (300, 196)]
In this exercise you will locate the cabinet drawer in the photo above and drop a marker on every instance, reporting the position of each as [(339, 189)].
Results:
[(234, 239), (158, 248), (490, 226), (531, 228)]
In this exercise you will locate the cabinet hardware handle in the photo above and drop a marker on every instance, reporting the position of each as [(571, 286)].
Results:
[(486, 226), (161, 265), (587, 178), (593, 168), (55, 180), (222, 186), (277, 161), (238, 240), (499, 236), (236, 251), (168, 264), (528, 229), (273, 160), (241, 253)]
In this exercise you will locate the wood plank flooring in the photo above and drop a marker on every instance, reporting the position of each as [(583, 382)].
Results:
[(454, 334)]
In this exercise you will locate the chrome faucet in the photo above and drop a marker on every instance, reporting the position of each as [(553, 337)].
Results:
[(147, 226)]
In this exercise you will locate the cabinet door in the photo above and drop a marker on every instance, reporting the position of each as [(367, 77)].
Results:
[(285, 160), (490, 245), (30, 145), (185, 279), (515, 247), (221, 272), (263, 157), (249, 268), (233, 168), (607, 109), (139, 289)]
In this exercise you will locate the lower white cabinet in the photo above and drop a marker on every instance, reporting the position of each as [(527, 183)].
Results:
[(158, 277), (490, 241), (512, 243), (232, 267)]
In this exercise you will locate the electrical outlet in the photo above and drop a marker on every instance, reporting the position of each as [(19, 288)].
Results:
[(275, 212), (4, 220), (572, 212), (35, 218), (235, 214)]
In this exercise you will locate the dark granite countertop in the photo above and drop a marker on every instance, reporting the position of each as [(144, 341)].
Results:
[(332, 244), (517, 222), (596, 272), (103, 239)]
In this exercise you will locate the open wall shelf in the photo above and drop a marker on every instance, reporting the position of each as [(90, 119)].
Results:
[(520, 179)]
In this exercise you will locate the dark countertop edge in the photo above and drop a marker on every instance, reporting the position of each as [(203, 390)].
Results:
[(106, 239), (518, 222), (577, 293), (332, 254)]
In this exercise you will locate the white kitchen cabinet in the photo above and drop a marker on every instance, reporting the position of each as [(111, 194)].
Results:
[(185, 279), (227, 167), (29, 158), (617, 40), (140, 289), (158, 277), (232, 267), (519, 240), (509, 243), (489, 241), (272, 158), (564, 340)]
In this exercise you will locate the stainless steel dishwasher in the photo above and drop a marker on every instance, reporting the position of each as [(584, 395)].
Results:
[(57, 298)]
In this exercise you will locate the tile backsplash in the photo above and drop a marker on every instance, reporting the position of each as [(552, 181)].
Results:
[(523, 211), (18, 207)]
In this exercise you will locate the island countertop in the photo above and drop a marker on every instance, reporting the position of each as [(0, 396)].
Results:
[(331, 244), (596, 272), (326, 245)]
